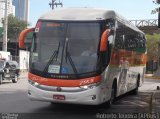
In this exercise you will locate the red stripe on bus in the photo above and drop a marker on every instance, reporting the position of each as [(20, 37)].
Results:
[(63, 82), (134, 58)]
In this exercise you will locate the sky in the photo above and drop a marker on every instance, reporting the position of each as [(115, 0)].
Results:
[(130, 9)]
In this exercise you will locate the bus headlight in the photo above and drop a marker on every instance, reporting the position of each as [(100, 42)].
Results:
[(36, 84), (33, 83), (90, 86)]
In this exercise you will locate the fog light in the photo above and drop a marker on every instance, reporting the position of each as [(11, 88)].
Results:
[(85, 87), (33, 83), (93, 97)]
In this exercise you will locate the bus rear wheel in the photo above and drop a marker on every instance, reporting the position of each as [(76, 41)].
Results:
[(135, 91)]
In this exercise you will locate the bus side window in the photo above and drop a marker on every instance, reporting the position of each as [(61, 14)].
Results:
[(120, 36), (110, 24)]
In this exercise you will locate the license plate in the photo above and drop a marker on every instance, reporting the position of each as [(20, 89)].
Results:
[(59, 97)]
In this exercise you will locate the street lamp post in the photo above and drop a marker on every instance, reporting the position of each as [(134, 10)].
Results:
[(19, 12), (5, 27)]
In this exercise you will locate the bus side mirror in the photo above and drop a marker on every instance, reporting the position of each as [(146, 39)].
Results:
[(104, 48), (104, 41), (22, 37)]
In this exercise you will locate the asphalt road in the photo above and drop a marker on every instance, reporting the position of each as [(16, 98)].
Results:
[(14, 100)]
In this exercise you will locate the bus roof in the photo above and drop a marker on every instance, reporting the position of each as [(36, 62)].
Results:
[(85, 14)]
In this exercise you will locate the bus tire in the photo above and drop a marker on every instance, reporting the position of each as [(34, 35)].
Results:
[(135, 91), (111, 101)]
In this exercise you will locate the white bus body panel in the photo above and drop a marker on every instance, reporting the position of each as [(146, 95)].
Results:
[(128, 84)]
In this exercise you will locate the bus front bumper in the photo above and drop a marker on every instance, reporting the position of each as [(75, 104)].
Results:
[(92, 96)]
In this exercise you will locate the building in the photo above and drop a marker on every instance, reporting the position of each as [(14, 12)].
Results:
[(11, 10), (21, 9)]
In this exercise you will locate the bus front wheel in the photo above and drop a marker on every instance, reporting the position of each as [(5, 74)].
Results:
[(113, 96)]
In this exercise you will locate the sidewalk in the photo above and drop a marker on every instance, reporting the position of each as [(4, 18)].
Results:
[(150, 85), (150, 94), (152, 76)]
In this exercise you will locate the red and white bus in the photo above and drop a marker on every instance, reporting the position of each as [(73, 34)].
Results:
[(84, 56)]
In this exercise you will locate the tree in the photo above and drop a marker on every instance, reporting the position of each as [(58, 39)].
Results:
[(156, 10), (15, 26), (152, 46)]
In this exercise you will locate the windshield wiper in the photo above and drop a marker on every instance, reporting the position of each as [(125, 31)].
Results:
[(70, 59), (53, 58), (72, 63)]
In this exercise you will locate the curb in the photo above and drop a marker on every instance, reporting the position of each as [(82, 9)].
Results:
[(152, 77)]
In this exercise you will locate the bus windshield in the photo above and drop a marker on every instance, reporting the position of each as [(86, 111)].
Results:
[(65, 48)]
